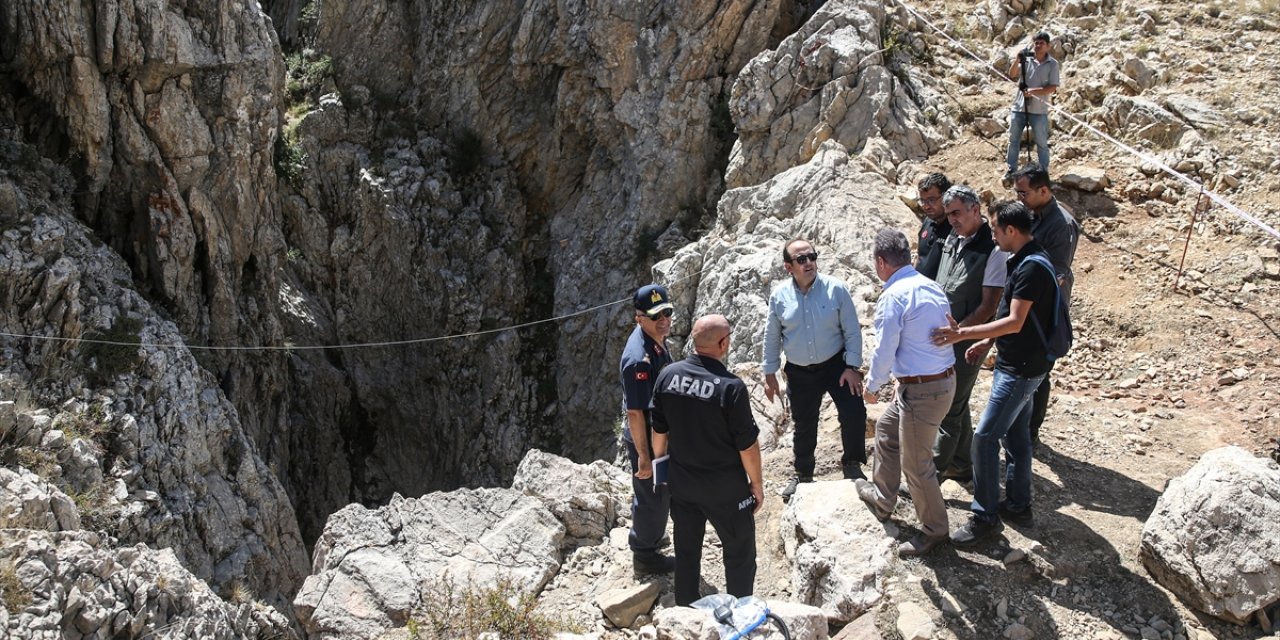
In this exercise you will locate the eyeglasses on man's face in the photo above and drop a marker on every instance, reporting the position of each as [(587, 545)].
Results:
[(805, 258), (665, 313)]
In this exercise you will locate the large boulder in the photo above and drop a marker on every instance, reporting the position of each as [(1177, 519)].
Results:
[(840, 553), (78, 584), (373, 567), (587, 498), (1214, 537), (1142, 118)]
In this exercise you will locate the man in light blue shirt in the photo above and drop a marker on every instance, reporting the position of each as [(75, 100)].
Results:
[(905, 317), (813, 322)]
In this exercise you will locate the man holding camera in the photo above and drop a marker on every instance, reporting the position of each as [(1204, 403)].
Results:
[(1037, 74)]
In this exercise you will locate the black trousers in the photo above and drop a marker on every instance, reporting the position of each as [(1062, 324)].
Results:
[(736, 528), (805, 388), (649, 507)]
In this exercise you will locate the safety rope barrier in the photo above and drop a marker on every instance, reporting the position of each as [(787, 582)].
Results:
[(1146, 157), (354, 345)]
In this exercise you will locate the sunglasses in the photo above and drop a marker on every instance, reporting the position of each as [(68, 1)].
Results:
[(805, 258), (665, 313)]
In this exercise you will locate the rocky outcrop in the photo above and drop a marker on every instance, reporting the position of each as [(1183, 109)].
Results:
[(143, 437), (27, 501), (835, 79), (840, 554), (166, 111), (374, 568), (75, 584), (587, 499), (1214, 537)]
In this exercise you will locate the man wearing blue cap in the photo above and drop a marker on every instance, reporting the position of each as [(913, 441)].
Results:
[(644, 356)]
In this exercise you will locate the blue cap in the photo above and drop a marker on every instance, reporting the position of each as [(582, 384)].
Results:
[(652, 298)]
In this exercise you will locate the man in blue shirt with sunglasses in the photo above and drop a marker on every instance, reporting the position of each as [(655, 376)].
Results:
[(813, 322)]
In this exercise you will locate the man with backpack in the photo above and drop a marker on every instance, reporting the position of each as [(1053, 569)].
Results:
[(1025, 327)]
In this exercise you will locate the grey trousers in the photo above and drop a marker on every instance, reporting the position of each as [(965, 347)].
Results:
[(955, 434), (904, 445)]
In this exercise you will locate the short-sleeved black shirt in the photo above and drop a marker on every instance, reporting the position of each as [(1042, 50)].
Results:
[(1023, 353), (642, 359), (706, 413)]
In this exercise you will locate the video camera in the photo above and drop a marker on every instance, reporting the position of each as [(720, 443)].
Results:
[(1024, 54)]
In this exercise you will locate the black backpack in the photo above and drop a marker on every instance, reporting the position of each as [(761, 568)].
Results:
[(1057, 342)]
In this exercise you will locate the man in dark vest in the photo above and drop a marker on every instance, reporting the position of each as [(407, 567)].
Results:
[(972, 274), (934, 229)]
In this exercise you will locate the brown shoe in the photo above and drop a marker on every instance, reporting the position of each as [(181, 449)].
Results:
[(867, 493), (920, 544)]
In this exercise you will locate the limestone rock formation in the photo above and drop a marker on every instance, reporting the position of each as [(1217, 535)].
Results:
[(834, 79), (482, 166), (75, 584), (373, 568), (1214, 537), (166, 111), (840, 554), (28, 501), (143, 436), (587, 499)]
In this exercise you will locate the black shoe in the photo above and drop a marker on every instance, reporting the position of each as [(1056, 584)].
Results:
[(791, 487), (867, 494), (652, 563), (853, 471), (975, 530), (1023, 518)]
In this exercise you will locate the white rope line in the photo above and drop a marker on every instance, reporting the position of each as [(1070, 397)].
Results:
[(1221, 201), (354, 345)]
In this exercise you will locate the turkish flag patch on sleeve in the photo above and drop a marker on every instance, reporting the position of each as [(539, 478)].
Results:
[(642, 375)]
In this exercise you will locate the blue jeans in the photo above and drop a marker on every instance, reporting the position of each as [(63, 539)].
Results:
[(1039, 131), (1008, 416)]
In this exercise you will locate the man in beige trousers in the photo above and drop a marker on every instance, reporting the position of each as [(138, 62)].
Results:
[(906, 314)]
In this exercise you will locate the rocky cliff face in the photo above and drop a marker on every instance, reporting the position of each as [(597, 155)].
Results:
[(475, 167), (482, 166), (143, 440), (165, 113)]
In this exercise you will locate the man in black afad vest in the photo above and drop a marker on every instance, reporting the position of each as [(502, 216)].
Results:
[(702, 419), (935, 228), (972, 274)]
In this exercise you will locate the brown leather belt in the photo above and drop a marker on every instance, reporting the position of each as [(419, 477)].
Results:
[(951, 371)]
